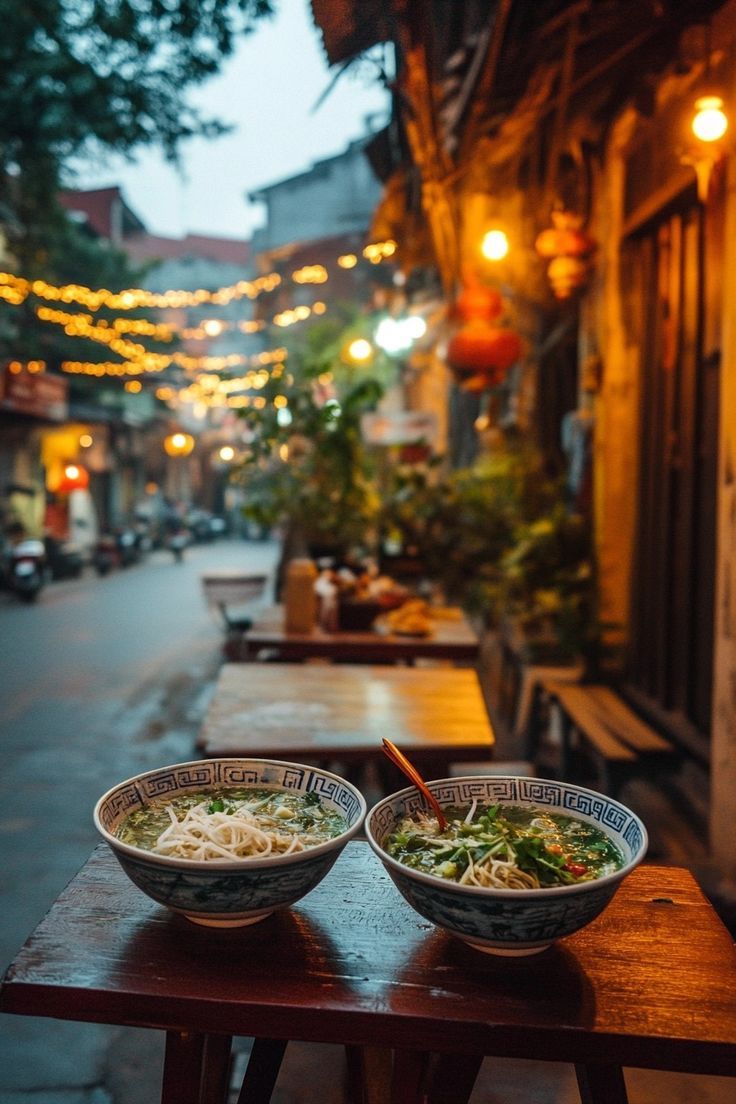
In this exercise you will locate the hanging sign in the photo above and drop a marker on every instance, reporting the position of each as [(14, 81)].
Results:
[(34, 392), (400, 427)]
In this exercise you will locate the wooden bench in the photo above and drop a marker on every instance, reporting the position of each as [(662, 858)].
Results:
[(598, 723)]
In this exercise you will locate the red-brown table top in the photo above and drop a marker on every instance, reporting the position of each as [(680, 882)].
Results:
[(651, 982), (452, 638)]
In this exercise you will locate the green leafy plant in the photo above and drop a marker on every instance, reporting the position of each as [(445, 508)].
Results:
[(547, 583), (462, 522), (500, 541), (309, 470)]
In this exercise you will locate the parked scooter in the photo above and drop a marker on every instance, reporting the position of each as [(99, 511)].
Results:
[(106, 555), (128, 550), (24, 569), (65, 559), (176, 542)]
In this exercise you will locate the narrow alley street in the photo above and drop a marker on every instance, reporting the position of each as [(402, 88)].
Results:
[(100, 679)]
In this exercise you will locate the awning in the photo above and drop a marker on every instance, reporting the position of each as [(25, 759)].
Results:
[(349, 27)]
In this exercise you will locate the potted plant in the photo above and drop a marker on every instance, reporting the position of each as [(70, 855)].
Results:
[(547, 587), (307, 470), (498, 539)]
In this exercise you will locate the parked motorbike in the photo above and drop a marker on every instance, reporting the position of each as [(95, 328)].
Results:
[(24, 568), (106, 555), (65, 559), (143, 538), (128, 549), (176, 543)]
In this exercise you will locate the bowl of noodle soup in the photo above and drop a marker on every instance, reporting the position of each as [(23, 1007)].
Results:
[(226, 842), (523, 861)]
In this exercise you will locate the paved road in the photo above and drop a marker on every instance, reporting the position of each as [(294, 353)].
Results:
[(100, 679)]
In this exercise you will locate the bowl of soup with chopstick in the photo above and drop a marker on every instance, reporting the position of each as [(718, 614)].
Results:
[(521, 863), (226, 842)]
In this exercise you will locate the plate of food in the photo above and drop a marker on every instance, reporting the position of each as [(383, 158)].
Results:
[(410, 619)]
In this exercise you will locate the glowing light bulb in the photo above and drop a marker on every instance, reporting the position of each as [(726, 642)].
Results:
[(227, 453), (495, 245), (360, 350), (710, 121)]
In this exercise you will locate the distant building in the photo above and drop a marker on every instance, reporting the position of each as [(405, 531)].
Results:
[(105, 212), (321, 216), (194, 262), (335, 197)]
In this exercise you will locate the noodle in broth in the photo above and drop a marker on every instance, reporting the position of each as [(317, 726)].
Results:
[(504, 847), (223, 825)]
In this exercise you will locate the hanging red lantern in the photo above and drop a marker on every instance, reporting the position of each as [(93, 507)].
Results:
[(481, 355), (477, 303), (75, 478)]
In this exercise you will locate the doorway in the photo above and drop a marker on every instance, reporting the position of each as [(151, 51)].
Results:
[(670, 663)]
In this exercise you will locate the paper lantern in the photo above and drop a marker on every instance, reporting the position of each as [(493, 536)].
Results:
[(477, 303), (565, 237), (567, 274), (481, 355), (75, 478), (570, 251)]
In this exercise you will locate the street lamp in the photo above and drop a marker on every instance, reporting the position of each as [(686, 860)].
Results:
[(396, 335), (710, 121), (359, 351), (495, 245), (178, 444)]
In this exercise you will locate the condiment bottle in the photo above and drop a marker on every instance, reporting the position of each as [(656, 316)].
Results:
[(300, 604), (326, 590)]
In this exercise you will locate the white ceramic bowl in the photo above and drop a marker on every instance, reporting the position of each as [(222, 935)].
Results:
[(227, 894), (509, 921)]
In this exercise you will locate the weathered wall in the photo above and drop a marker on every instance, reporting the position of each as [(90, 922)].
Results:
[(607, 331), (723, 743), (604, 334)]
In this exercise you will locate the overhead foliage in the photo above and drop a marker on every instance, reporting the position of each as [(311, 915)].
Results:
[(86, 75)]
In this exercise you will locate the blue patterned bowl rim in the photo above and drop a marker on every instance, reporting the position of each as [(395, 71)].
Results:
[(634, 824), (137, 781)]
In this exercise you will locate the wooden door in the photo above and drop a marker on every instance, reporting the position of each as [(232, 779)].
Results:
[(671, 653)]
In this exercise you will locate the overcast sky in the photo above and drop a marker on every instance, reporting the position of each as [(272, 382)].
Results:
[(267, 90)]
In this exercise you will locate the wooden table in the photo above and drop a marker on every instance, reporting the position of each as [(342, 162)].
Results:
[(341, 712), (451, 639), (650, 983)]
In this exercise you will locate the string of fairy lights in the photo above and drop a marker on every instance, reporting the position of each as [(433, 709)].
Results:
[(118, 333)]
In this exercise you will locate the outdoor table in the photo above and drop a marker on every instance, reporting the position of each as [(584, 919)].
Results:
[(323, 713), (650, 983), (452, 638)]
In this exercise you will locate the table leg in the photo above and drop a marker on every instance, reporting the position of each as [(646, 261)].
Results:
[(262, 1071), (453, 1077), (369, 1072), (409, 1077), (183, 1063), (215, 1083), (601, 1084), (377, 1075)]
